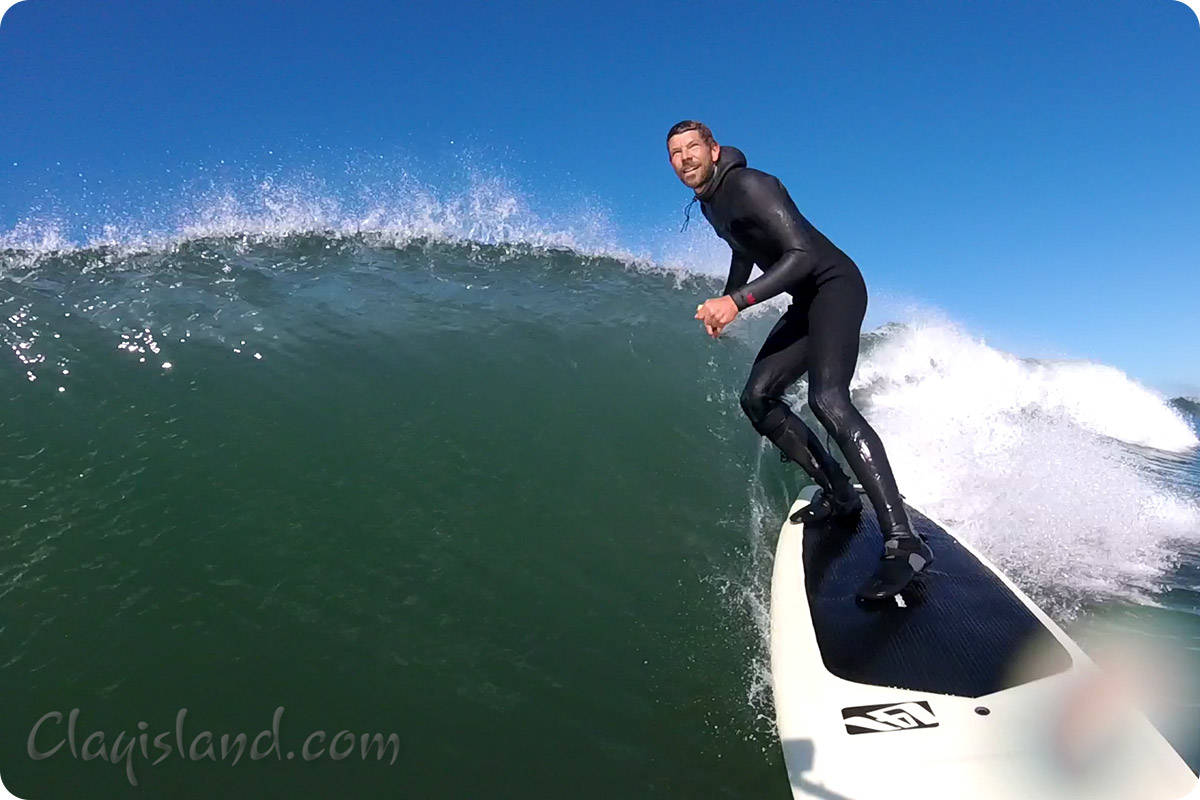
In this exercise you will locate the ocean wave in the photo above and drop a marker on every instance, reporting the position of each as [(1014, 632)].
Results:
[(1036, 462)]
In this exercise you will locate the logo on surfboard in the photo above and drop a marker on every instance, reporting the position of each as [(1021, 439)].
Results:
[(895, 717)]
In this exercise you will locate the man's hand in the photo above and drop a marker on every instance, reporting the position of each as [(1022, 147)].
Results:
[(716, 314)]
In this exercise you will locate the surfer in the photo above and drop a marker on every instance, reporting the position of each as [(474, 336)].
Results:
[(818, 333)]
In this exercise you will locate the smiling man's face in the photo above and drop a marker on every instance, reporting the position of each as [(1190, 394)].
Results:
[(693, 159)]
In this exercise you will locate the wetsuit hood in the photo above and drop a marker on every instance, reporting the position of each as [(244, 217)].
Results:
[(730, 159)]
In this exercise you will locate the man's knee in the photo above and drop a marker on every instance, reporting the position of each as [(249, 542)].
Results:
[(765, 411)]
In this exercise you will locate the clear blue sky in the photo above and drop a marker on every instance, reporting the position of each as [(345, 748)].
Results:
[(1030, 167)]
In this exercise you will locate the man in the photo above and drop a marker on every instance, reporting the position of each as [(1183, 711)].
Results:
[(819, 333)]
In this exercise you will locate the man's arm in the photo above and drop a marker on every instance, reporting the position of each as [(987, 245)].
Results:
[(740, 265), (772, 210)]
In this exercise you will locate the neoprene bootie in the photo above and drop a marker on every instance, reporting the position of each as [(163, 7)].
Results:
[(843, 504), (904, 555)]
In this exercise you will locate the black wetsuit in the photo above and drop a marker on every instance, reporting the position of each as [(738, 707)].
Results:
[(819, 332)]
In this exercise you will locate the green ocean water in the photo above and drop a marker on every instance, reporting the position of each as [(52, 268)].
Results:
[(497, 500)]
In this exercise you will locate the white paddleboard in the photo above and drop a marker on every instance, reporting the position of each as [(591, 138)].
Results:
[(961, 688)]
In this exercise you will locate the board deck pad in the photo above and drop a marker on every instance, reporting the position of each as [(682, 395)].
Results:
[(956, 633)]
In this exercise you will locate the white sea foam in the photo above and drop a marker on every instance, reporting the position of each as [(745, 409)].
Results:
[(1031, 461)]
